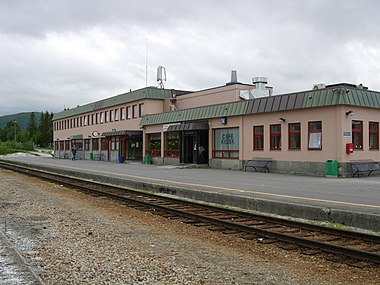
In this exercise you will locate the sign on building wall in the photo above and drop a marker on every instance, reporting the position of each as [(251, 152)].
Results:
[(346, 134)]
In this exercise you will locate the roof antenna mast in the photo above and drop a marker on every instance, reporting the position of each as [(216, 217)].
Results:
[(146, 62)]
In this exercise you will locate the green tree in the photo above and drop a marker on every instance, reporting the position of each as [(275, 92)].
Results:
[(32, 127), (45, 128), (11, 131)]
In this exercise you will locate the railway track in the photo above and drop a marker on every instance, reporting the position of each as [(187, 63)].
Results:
[(357, 249)]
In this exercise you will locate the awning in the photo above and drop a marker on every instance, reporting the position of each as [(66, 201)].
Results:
[(122, 133), (188, 127)]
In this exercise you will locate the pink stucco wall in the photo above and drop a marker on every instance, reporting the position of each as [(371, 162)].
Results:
[(228, 93), (334, 124)]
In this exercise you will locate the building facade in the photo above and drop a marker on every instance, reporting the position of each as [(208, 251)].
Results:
[(222, 127)]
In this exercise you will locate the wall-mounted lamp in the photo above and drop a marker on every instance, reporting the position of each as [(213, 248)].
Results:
[(350, 113), (282, 120)]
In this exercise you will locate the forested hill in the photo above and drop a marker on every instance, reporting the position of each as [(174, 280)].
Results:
[(21, 118)]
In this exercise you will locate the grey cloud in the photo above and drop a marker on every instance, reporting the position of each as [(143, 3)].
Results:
[(294, 43)]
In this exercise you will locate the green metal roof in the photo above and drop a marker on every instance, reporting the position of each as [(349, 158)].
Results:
[(199, 113), (336, 95), (342, 96), (144, 93)]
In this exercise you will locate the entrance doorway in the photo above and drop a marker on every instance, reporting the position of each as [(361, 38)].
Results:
[(134, 148), (188, 147), (202, 147), (195, 147)]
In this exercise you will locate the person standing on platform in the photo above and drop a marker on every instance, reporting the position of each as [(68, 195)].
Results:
[(74, 152)]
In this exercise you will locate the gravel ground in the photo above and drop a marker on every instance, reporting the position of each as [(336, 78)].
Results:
[(72, 238)]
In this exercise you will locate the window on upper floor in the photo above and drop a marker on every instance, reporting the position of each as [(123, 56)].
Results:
[(122, 113), (141, 110), (117, 114), (135, 111)]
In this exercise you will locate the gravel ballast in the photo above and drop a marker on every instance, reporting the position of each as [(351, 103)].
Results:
[(72, 238)]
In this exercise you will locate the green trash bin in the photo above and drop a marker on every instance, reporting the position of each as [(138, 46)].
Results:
[(91, 156), (331, 168), (147, 159)]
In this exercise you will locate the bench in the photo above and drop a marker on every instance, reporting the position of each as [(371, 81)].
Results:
[(364, 166), (257, 163)]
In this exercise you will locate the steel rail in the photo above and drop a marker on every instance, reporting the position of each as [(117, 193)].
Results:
[(326, 247)]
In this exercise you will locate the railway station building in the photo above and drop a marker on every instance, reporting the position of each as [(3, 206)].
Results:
[(225, 126)]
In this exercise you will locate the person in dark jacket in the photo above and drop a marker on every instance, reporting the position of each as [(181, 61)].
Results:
[(74, 152)]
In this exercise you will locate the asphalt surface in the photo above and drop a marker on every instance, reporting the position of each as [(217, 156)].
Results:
[(350, 201)]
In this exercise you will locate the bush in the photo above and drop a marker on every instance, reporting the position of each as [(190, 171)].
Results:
[(12, 147)]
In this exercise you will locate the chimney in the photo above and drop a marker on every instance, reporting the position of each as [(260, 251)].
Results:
[(233, 78)]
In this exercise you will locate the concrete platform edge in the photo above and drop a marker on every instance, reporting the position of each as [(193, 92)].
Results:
[(322, 214)]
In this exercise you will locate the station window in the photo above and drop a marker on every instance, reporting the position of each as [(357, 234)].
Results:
[(117, 115), (78, 144), (101, 117), (129, 112), (114, 143), (85, 121), (154, 144), (135, 111), (357, 134), (111, 116), (95, 144), (258, 137), (295, 136), (104, 144), (374, 135), (171, 144), (275, 137), (141, 110), (122, 113), (87, 144), (315, 135), (226, 143), (106, 116)]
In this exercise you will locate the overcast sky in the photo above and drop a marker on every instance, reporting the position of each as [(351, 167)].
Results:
[(56, 53)]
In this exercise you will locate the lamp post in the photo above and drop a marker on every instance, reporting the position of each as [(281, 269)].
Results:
[(15, 130)]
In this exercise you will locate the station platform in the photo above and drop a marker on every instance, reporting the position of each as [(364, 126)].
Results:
[(354, 202)]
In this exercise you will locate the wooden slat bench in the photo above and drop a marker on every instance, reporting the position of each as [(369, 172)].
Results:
[(258, 163), (366, 166)]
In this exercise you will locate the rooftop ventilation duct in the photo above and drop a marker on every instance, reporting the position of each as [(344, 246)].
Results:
[(259, 91), (319, 86)]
